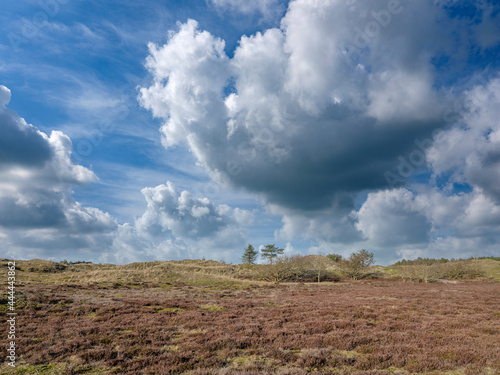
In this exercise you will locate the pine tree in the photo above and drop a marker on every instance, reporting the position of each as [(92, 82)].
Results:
[(270, 252), (250, 255)]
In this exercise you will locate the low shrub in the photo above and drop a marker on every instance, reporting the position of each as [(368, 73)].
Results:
[(297, 269), (453, 270), (335, 257), (462, 269), (420, 262)]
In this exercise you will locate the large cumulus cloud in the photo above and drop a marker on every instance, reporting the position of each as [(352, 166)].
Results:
[(312, 116), (193, 219), (289, 116)]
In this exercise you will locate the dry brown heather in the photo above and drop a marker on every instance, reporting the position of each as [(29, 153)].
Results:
[(69, 322)]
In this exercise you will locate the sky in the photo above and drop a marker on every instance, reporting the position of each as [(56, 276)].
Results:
[(167, 130)]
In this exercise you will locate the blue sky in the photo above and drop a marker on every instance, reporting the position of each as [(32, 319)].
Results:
[(189, 129)]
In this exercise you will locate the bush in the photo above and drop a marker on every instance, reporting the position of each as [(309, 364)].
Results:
[(452, 270), (295, 269), (357, 263), (284, 268), (491, 258), (45, 266), (462, 269), (420, 262), (335, 257)]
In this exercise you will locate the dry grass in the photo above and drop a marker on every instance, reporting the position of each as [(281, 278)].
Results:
[(490, 267), (142, 319), (191, 272), (202, 272)]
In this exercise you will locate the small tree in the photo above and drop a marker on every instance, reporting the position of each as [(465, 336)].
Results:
[(250, 255), (270, 252), (357, 263), (319, 266)]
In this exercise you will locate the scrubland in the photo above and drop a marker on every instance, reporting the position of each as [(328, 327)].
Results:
[(206, 317)]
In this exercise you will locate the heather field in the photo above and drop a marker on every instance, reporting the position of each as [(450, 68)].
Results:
[(73, 321)]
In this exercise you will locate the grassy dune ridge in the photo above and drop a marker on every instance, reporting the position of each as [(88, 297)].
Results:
[(206, 317), (203, 271)]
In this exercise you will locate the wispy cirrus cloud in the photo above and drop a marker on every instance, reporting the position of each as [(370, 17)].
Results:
[(267, 8)]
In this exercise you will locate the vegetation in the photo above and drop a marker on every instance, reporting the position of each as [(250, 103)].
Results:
[(451, 270), (335, 257), (420, 261), (357, 264), (298, 269), (492, 258), (76, 262), (250, 255), (202, 317), (270, 252), (429, 261), (320, 267), (311, 268)]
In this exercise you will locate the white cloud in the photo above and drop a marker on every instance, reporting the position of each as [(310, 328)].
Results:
[(40, 218), (310, 116), (485, 28), (332, 226), (429, 223), (307, 117), (293, 123), (37, 210), (393, 217), (190, 223), (470, 152), (243, 217), (4, 96), (466, 215), (180, 214), (189, 73), (403, 95)]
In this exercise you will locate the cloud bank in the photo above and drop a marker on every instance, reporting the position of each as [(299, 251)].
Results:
[(314, 116), (361, 124), (40, 218)]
